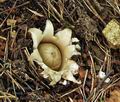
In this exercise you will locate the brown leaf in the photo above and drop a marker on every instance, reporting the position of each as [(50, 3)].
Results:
[(115, 96)]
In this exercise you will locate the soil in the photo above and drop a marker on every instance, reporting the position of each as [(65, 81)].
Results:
[(22, 82)]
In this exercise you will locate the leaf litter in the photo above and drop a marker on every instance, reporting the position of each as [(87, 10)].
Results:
[(20, 81)]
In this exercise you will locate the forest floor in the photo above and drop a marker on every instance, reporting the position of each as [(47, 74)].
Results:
[(21, 82)]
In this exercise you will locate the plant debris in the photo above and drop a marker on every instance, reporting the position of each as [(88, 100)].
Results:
[(91, 22), (112, 33)]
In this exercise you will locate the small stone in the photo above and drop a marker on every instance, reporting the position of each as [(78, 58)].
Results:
[(102, 75), (107, 80), (112, 33)]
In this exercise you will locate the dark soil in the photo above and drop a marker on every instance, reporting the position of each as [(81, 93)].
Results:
[(21, 82)]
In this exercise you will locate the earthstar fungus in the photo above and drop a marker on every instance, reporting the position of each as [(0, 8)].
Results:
[(53, 53)]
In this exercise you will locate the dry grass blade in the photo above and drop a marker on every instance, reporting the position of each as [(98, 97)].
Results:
[(9, 75), (70, 92), (98, 90), (91, 8), (20, 77), (7, 96), (83, 86), (35, 13), (6, 49), (102, 92), (15, 7), (51, 7), (104, 49), (3, 38), (114, 5), (14, 81), (8, 14), (33, 68)]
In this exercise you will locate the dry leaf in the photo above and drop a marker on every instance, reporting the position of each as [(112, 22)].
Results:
[(115, 96)]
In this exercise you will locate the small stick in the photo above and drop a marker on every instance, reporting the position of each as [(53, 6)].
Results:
[(8, 14)]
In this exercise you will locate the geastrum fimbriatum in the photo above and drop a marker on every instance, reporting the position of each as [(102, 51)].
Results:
[(53, 53)]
